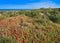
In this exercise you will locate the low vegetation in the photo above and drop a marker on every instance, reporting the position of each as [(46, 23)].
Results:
[(30, 26)]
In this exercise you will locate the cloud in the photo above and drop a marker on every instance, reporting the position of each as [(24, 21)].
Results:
[(36, 5)]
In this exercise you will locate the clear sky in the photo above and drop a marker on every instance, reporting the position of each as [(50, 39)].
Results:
[(28, 4)]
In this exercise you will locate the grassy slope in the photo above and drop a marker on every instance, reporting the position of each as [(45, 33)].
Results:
[(24, 29)]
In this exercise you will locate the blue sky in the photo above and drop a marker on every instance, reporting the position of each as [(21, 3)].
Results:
[(28, 4)]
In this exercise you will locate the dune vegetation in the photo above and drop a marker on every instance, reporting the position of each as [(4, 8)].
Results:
[(30, 26)]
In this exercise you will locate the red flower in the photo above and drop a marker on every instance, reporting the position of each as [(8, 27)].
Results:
[(19, 40), (26, 40), (8, 33), (18, 33), (3, 23), (12, 29)]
